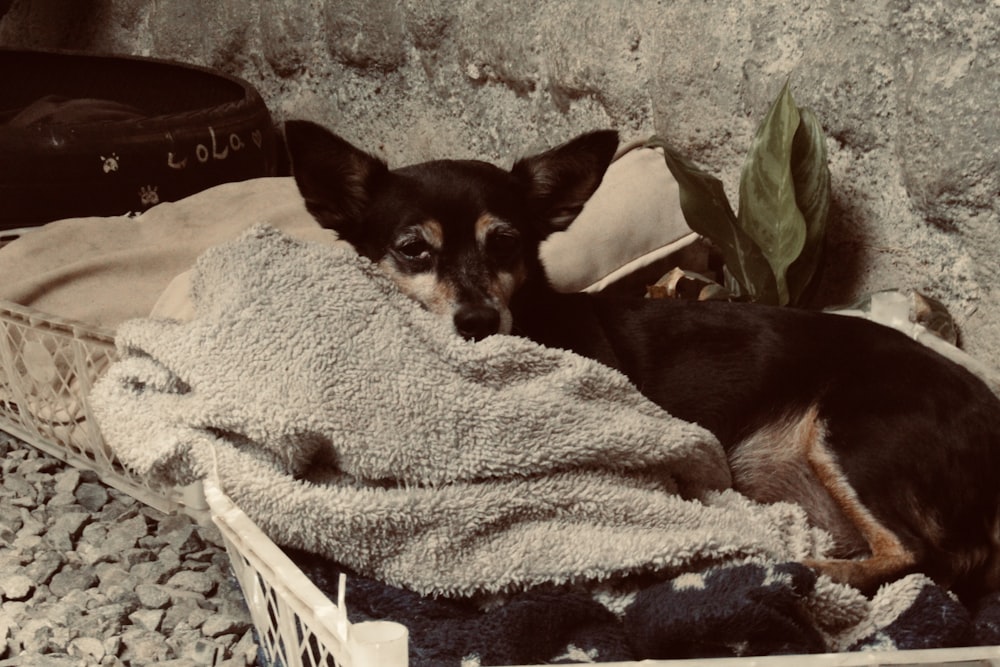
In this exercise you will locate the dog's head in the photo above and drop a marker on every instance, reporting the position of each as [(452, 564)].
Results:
[(458, 236)]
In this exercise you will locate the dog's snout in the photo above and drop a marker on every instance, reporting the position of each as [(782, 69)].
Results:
[(477, 322)]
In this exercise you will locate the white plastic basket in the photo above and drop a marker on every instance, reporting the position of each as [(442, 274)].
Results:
[(47, 367), (297, 624)]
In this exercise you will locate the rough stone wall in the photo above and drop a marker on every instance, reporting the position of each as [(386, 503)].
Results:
[(906, 90)]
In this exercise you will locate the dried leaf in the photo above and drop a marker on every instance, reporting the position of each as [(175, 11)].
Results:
[(679, 283), (934, 316)]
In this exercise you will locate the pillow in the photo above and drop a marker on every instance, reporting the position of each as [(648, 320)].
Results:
[(633, 219)]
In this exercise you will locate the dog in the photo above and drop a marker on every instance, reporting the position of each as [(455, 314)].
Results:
[(891, 448)]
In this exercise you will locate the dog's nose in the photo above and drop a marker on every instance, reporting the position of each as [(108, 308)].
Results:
[(477, 322)]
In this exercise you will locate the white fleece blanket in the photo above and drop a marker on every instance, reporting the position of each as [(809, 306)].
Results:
[(347, 421)]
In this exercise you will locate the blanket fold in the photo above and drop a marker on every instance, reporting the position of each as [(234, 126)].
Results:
[(347, 421)]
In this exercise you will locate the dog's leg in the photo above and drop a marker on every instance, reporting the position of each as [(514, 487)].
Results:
[(791, 460), (888, 558)]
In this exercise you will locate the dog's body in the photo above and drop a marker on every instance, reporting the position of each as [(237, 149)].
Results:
[(890, 447)]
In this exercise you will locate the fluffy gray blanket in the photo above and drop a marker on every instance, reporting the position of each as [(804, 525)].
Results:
[(346, 421)]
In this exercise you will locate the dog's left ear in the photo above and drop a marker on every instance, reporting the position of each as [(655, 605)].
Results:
[(561, 180)]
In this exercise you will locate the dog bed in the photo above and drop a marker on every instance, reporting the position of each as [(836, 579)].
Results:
[(85, 134)]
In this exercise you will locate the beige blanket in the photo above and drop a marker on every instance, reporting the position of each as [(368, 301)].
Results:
[(103, 271)]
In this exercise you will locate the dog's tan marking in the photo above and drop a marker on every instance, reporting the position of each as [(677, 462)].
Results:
[(507, 282), (978, 562), (433, 233), (772, 465), (425, 288), (484, 224), (439, 295), (928, 517), (790, 461)]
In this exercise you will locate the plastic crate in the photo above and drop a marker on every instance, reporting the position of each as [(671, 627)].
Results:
[(297, 624), (47, 366)]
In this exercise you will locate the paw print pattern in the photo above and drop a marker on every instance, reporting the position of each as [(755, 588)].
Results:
[(148, 195), (110, 163)]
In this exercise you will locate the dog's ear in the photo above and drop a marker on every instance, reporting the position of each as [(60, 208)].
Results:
[(336, 179), (561, 180)]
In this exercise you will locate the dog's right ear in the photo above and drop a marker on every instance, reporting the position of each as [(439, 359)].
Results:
[(336, 179), (561, 180)]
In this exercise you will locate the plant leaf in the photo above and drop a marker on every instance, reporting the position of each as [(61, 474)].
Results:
[(811, 175), (768, 211), (707, 211)]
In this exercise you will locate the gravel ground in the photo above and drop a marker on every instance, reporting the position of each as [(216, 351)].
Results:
[(90, 576)]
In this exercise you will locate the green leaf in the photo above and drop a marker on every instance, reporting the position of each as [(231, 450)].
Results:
[(773, 246), (812, 195), (768, 211), (708, 212)]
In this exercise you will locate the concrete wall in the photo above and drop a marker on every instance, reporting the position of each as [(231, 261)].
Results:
[(907, 92)]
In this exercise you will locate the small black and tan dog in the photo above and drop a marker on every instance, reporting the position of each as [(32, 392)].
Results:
[(890, 447)]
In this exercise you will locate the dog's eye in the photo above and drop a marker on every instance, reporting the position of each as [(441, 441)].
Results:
[(503, 246), (414, 249)]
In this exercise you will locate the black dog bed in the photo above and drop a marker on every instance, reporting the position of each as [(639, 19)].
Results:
[(106, 135)]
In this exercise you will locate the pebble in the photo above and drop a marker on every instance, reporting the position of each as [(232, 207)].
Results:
[(66, 481), (152, 596), (144, 646), (70, 579), (71, 523), (89, 648), (16, 587), (147, 618), (91, 497), (90, 576), (196, 582), (224, 624)]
